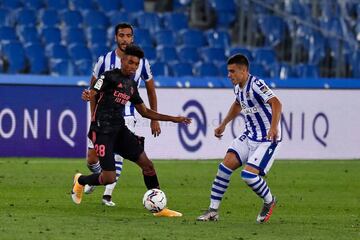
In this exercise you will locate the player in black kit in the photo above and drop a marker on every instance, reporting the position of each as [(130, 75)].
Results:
[(108, 131)]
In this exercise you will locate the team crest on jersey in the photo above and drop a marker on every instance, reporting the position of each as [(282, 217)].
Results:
[(264, 89), (99, 83), (247, 94)]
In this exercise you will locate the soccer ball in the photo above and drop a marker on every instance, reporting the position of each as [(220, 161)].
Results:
[(154, 200)]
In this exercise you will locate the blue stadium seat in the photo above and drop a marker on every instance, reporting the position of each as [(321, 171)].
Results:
[(72, 18), (192, 38), (206, 69), (109, 5), (160, 69), (188, 54), (37, 59), (265, 56), (180, 69), (225, 12), (295, 8), (273, 28), (56, 51), (82, 5), (223, 72), (79, 52), (73, 35), (150, 53), (148, 20), (95, 18), (49, 18), (307, 71), (12, 4), (57, 4), (6, 18), (96, 35), (175, 21), (259, 70), (7, 34), (28, 34), (119, 17), (282, 71), (34, 4), (25, 17), (219, 38), (212, 54), (83, 67), (98, 50), (62, 67), (133, 5), (143, 37), (14, 56), (166, 54), (241, 50), (51, 35), (165, 38)]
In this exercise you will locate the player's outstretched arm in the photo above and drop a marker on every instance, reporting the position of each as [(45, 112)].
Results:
[(150, 114), (276, 114), (234, 110)]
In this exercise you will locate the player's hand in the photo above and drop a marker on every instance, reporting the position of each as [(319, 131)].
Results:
[(155, 128), (181, 119), (85, 95), (219, 131), (272, 135)]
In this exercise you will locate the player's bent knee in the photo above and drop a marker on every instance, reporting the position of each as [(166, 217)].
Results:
[(92, 157), (149, 169)]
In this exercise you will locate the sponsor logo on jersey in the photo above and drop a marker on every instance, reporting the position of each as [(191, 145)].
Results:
[(99, 83), (250, 110)]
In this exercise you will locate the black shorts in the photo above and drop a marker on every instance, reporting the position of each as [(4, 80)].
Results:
[(121, 141)]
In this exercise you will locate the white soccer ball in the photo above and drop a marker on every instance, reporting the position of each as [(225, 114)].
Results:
[(154, 200)]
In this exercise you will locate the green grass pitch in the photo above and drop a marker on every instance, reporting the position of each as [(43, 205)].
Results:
[(316, 200)]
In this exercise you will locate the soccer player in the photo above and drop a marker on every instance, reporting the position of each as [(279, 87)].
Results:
[(109, 133), (257, 147), (123, 37)]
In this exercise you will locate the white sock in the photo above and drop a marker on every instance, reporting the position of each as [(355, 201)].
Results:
[(118, 165)]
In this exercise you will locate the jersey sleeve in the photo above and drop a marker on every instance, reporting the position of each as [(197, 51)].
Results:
[(236, 92), (96, 70), (135, 97), (260, 87), (146, 73), (100, 84)]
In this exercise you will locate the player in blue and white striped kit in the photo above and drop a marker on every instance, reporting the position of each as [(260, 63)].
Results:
[(257, 147), (123, 37)]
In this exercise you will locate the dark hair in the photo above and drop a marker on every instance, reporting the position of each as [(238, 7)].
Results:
[(134, 50), (122, 26), (238, 59)]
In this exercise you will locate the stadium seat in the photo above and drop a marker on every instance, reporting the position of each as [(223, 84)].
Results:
[(307, 71), (37, 59), (225, 12), (273, 28), (120, 16), (73, 35), (295, 8), (175, 21), (62, 67), (72, 18), (223, 72), (79, 52), (259, 70), (159, 69), (98, 50), (82, 5), (6, 18), (282, 71), (49, 18), (166, 54), (142, 37), (241, 50), (25, 17), (150, 53), (96, 35), (51, 35), (192, 38), (11, 4), (133, 5), (220, 38), (14, 56), (28, 34), (165, 38), (265, 56), (109, 5), (188, 54), (34, 4), (57, 4), (83, 67), (149, 21), (7, 34), (180, 69), (212, 54), (205, 69), (95, 18), (56, 51)]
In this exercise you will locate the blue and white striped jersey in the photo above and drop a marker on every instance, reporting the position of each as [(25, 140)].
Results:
[(110, 61), (253, 101)]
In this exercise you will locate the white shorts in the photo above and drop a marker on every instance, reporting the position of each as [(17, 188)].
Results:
[(260, 155), (130, 122)]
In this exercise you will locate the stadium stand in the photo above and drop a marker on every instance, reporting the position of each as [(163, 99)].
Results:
[(282, 39)]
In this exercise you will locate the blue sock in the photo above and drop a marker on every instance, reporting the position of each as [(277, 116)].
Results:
[(219, 186)]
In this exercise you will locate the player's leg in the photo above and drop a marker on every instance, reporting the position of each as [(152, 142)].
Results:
[(233, 159), (258, 165), (93, 164)]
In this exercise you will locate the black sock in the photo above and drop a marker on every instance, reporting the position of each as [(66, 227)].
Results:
[(151, 182), (92, 179)]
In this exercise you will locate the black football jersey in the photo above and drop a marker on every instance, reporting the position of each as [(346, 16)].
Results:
[(114, 91)]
